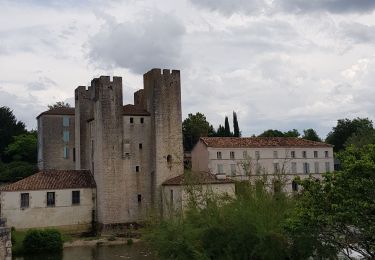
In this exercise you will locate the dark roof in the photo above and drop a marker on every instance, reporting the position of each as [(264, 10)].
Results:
[(59, 111), (53, 180), (132, 110), (196, 178), (247, 142), (128, 110)]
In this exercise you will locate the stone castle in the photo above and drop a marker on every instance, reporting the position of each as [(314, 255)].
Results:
[(130, 150)]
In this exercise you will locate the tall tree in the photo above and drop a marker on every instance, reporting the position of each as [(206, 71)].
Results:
[(58, 105), (227, 127), (236, 128), (194, 127), (23, 148), (9, 127), (361, 138), (310, 134), (345, 128), (220, 131)]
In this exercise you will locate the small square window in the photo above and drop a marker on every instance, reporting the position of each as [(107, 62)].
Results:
[(76, 197), (140, 146), (131, 120), (218, 155), (142, 120), (137, 168), (25, 202), (50, 199)]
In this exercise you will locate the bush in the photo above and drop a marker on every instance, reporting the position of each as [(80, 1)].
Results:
[(37, 241)]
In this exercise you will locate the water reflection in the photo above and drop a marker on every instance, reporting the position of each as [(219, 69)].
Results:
[(137, 251)]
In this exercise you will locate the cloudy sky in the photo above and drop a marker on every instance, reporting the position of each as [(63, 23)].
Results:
[(279, 64)]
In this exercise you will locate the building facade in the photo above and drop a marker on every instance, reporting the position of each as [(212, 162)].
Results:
[(130, 150), (253, 157)]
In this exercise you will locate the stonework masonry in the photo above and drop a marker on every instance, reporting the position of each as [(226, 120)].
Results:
[(131, 150)]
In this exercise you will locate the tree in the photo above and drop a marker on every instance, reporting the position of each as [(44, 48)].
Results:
[(271, 133), (220, 131), (361, 138), (337, 214), (292, 133), (344, 129), (236, 129), (9, 127), (58, 105), (227, 128), (194, 127), (310, 134), (23, 148)]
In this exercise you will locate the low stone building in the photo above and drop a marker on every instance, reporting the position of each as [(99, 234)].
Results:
[(52, 198), (179, 190), (244, 158)]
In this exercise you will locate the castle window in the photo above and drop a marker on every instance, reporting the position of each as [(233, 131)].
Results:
[(231, 155), (218, 155), (140, 146), (66, 152), (50, 199), (76, 197), (25, 202), (169, 160), (131, 120), (66, 136), (306, 168), (315, 154), (139, 197), (294, 186), (137, 168), (74, 154), (65, 121), (171, 196), (142, 120), (316, 166)]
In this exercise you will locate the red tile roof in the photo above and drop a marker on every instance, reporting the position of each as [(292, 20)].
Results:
[(59, 111), (196, 178), (128, 110), (248, 142), (53, 180), (132, 110)]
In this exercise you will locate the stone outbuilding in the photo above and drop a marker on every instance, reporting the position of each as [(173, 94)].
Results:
[(64, 199)]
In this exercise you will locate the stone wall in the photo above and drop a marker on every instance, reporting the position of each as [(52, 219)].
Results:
[(5, 242)]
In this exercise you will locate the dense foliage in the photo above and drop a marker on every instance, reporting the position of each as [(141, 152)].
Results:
[(310, 134), (194, 127), (345, 129), (58, 105), (37, 241), (278, 133)]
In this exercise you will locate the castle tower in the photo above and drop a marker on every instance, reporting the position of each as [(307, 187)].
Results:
[(162, 98)]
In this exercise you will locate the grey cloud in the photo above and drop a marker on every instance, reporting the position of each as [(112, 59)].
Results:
[(139, 45), (42, 83), (257, 7), (358, 33)]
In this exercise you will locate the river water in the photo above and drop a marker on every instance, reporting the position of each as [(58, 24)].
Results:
[(137, 251)]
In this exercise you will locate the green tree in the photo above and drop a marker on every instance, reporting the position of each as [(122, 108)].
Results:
[(58, 105), (310, 134), (271, 133), (23, 148), (227, 128), (292, 133), (361, 138), (9, 127), (337, 213), (345, 128), (220, 131), (236, 128), (194, 127)]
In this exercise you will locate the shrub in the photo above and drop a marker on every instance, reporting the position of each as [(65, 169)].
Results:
[(37, 241)]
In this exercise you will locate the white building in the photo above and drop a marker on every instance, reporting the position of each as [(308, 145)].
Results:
[(241, 158), (64, 199)]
